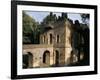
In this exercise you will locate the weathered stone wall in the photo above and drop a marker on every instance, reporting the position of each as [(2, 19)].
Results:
[(37, 52), (68, 47), (61, 48), (63, 29)]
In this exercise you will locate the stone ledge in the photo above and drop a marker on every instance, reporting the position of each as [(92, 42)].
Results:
[(30, 46)]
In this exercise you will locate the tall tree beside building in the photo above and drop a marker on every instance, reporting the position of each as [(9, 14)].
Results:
[(85, 18), (30, 27)]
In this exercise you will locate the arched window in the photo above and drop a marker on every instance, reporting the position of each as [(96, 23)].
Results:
[(57, 38), (46, 57), (51, 39)]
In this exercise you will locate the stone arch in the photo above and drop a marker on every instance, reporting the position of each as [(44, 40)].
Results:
[(46, 57), (27, 60), (30, 59), (57, 57)]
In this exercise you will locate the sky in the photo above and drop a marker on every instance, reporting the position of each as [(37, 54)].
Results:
[(39, 16)]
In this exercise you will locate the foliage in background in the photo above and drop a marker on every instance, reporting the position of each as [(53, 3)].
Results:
[(30, 29), (85, 18)]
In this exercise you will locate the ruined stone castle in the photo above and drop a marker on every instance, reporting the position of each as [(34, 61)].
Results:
[(55, 48)]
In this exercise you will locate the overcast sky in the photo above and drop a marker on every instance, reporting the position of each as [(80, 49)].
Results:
[(39, 16)]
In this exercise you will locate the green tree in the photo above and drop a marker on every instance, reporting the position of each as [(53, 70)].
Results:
[(64, 15), (85, 18), (29, 28), (51, 18)]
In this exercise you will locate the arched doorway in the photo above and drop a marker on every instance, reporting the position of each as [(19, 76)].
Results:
[(56, 58), (30, 60), (46, 57), (25, 61)]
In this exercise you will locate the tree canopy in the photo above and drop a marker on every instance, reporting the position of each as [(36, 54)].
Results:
[(85, 18), (30, 27)]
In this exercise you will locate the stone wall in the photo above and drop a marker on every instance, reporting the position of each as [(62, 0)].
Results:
[(59, 50), (37, 52)]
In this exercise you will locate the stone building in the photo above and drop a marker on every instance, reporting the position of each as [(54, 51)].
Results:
[(55, 48)]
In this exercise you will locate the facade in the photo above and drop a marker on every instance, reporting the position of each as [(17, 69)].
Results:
[(54, 48)]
